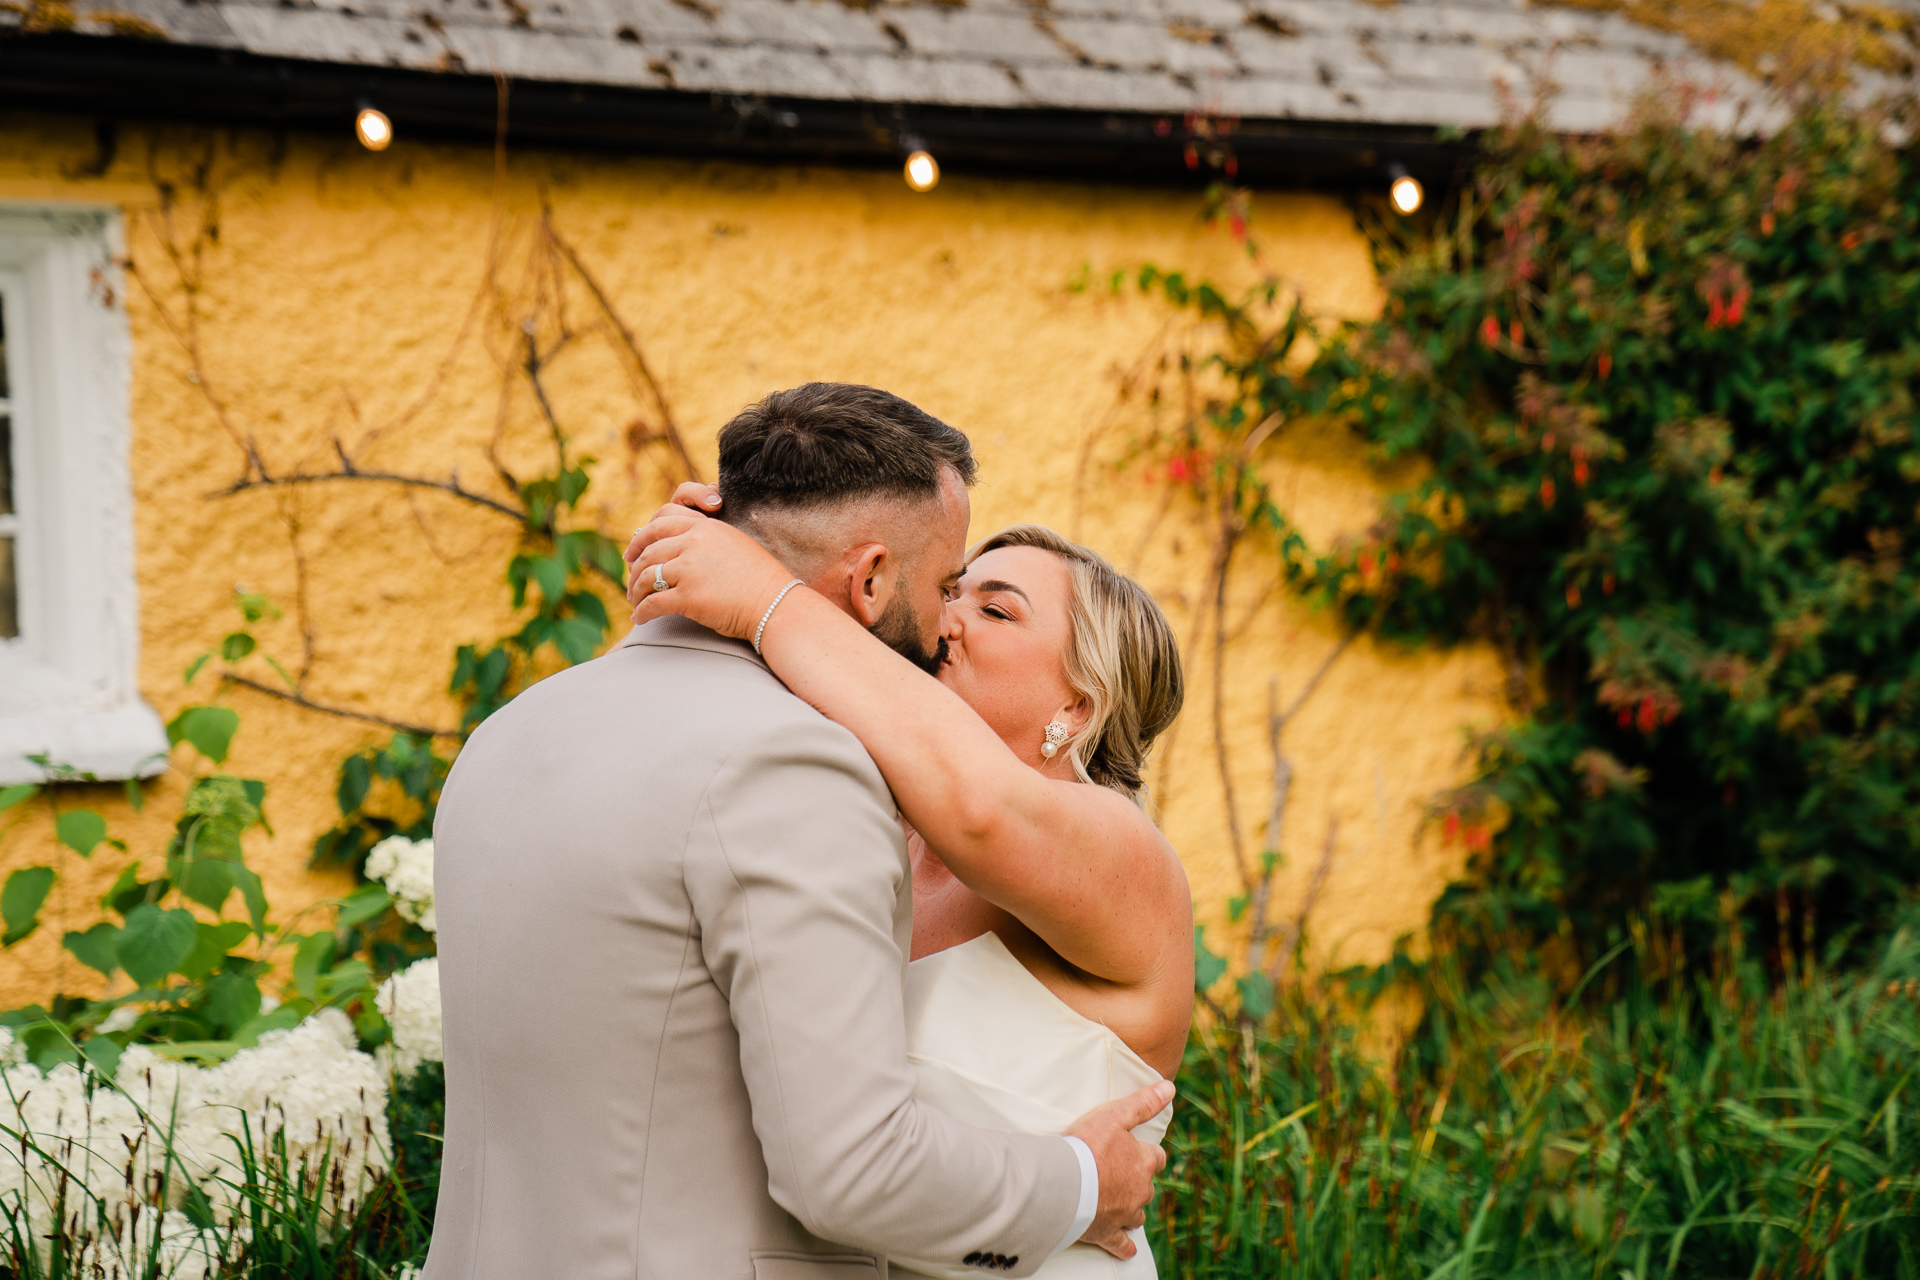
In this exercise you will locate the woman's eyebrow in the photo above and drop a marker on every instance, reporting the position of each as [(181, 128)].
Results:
[(995, 584)]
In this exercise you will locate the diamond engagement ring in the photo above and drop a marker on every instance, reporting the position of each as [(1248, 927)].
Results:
[(659, 578)]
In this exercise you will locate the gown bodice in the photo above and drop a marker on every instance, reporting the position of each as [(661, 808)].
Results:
[(993, 1047)]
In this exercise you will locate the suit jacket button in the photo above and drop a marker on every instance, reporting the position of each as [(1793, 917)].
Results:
[(972, 1259), (1013, 1262)]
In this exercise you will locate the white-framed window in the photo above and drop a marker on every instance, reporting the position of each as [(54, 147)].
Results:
[(69, 616)]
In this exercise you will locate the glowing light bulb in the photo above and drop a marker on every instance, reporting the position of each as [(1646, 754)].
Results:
[(923, 171), (1406, 193), (373, 129)]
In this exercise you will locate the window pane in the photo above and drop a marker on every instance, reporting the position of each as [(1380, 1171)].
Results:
[(6, 465), (9, 597)]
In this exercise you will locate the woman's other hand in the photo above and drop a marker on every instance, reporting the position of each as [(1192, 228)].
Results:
[(715, 575)]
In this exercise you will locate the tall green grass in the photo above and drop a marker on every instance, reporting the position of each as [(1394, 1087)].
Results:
[(1731, 1124)]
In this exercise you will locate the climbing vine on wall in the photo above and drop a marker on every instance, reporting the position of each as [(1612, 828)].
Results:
[(1662, 385)]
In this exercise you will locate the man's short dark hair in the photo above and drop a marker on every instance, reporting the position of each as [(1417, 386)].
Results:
[(829, 441)]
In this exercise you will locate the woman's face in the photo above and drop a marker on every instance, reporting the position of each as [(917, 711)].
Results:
[(1007, 630)]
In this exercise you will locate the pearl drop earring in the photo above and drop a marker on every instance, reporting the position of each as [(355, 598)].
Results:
[(1056, 734)]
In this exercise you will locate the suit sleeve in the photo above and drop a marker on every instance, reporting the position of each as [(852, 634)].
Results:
[(795, 867)]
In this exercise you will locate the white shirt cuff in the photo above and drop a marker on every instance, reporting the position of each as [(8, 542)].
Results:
[(1089, 1194)]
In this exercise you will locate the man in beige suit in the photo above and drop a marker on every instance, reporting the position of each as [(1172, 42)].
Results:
[(674, 916)]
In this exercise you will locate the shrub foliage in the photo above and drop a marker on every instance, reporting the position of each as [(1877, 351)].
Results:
[(1660, 385)]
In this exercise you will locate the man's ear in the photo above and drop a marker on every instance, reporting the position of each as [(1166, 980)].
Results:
[(870, 582)]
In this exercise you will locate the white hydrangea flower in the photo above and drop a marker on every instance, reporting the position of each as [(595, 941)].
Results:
[(410, 1002), (405, 867), (303, 1100)]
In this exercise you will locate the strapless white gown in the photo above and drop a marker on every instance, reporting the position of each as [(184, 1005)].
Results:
[(993, 1047)]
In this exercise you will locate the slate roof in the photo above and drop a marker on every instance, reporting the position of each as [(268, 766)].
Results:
[(1414, 62)]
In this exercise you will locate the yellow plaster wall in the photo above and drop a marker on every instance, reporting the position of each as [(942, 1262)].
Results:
[(345, 296)]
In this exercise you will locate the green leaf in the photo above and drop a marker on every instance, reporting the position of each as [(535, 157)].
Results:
[(550, 574), (313, 958), (355, 777), (236, 646), (97, 948), (1256, 995), (210, 946), (345, 981), (255, 897), (233, 1000), (206, 880), (281, 671), (20, 901), (136, 796), (287, 1015), (81, 830), (576, 639), (104, 1053), (1208, 968), (1236, 907), (11, 796), (209, 729), (363, 904), (193, 668), (155, 942)]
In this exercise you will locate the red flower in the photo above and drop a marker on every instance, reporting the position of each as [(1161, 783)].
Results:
[(1648, 717), (1193, 157), (1163, 127), (1177, 470), (1453, 827), (1580, 471), (1515, 332), (1850, 241), (1606, 364), (1490, 331), (1573, 595), (1233, 165), (1546, 493), (1766, 223), (1606, 584), (1366, 565)]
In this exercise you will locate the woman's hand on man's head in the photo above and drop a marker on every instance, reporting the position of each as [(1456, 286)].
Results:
[(716, 575)]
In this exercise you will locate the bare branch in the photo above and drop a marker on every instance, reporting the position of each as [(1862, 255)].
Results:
[(1313, 681), (632, 345), (1291, 938), (300, 700), (450, 485)]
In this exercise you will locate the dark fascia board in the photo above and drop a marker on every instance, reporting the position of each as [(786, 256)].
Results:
[(109, 78)]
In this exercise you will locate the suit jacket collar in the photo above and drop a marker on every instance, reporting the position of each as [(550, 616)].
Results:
[(676, 632)]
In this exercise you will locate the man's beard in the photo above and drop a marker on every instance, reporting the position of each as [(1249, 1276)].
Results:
[(899, 630)]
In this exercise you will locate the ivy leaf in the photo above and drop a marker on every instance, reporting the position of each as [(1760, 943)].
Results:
[(236, 646), (355, 778), (210, 946), (11, 796), (155, 942), (193, 668), (209, 729), (205, 880), (365, 903), (313, 958), (20, 901), (1256, 995), (576, 639), (254, 895), (233, 1000), (550, 573), (81, 830), (97, 948), (104, 1053), (1208, 968)]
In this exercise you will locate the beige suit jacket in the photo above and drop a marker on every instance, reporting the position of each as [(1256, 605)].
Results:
[(674, 918)]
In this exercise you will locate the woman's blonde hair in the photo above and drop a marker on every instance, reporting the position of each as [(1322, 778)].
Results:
[(1122, 658)]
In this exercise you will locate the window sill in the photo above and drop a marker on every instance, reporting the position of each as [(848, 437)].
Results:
[(123, 740)]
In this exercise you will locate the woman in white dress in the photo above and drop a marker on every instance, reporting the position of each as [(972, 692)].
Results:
[(1052, 965)]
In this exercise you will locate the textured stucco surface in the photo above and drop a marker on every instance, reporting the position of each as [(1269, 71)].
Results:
[(343, 297)]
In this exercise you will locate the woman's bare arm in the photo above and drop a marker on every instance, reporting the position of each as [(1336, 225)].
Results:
[(1080, 865)]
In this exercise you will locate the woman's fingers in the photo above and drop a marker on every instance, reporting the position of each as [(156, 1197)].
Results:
[(703, 498), (669, 522)]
